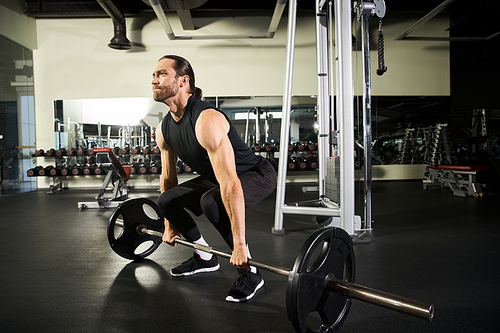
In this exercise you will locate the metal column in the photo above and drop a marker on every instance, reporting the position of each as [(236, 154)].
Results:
[(323, 103), (285, 119), (345, 107), (367, 112)]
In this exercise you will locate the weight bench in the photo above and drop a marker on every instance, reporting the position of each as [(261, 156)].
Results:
[(116, 173), (461, 179)]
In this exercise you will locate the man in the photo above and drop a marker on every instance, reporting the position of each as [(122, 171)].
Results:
[(231, 178)]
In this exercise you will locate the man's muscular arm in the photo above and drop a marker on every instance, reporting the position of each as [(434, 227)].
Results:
[(168, 179), (211, 132)]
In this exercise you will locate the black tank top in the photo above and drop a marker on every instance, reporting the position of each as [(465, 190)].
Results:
[(181, 136)]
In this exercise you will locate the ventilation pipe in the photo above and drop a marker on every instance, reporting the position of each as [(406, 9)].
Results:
[(275, 20), (173, 4), (119, 40), (162, 17)]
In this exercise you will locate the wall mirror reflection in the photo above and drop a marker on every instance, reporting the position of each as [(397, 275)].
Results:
[(128, 126), (403, 129)]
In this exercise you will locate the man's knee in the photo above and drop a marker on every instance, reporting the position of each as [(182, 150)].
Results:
[(210, 204), (167, 202)]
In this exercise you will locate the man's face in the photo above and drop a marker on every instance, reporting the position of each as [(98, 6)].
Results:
[(165, 80)]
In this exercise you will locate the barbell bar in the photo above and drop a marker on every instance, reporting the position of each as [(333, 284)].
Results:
[(373, 296), (141, 230), (331, 270)]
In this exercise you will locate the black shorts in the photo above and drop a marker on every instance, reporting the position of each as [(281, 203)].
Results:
[(203, 197), (257, 183)]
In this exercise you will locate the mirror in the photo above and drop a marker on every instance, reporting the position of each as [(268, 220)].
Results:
[(120, 122), (130, 121)]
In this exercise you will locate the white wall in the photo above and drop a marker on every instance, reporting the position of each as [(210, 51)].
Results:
[(415, 68), (72, 61)]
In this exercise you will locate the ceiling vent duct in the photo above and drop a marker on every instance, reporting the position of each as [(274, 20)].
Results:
[(119, 40), (183, 7)]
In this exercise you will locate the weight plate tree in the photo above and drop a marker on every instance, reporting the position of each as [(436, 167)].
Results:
[(321, 281)]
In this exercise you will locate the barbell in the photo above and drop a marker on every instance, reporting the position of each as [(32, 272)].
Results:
[(320, 283)]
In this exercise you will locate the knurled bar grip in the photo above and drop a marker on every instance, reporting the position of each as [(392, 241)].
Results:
[(373, 296)]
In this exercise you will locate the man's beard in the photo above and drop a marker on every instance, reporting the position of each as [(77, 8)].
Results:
[(164, 93)]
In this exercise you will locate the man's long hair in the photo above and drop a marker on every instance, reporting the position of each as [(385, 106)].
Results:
[(183, 67)]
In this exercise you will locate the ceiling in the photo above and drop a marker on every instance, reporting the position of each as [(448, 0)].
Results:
[(477, 16), (86, 8), (198, 8)]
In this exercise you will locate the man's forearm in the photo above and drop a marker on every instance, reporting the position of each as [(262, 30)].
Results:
[(234, 202), (166, 184)]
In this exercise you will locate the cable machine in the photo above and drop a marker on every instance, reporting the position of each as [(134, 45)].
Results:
[(335, 130), (363, 12)]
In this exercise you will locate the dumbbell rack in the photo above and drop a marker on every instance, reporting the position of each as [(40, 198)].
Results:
[(146, 160), (63, 167), (142, 160), (409, 149), (55, 177), (438, 147), (82, 162), (302, 156)]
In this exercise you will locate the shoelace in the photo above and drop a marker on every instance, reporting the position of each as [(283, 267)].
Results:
[(190, 260), (242, 278)]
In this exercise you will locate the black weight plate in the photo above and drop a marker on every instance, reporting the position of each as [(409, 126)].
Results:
[(328, 251), (133, 213)]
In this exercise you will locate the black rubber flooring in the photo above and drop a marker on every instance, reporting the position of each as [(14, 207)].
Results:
[(58, 273)]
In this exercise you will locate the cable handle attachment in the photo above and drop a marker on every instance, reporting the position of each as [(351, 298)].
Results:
[(380, 50)]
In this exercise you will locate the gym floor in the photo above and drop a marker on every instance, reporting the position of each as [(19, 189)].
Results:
[(59, 274)]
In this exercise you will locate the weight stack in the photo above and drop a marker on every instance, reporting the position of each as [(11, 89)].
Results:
[(332, 182)]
